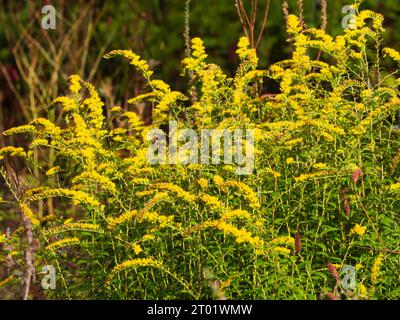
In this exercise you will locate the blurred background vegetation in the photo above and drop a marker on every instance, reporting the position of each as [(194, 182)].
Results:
[(35, 63)]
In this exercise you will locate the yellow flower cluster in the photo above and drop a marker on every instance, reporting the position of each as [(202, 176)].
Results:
[(274, 173), (362, 291), (286, 240), (175, 189), (136, 248), (13, 151), (48, 127), (293, 25), (20, 129), (246, 191), (104, 182), (281, 250), (75, 86), (196, 62), (136, 61), (6, 281), (304, 177), (290, 160), (211, 201), (63, 243), (203, 183), (80, 226), (376, 268), (238, 213), (52, 170), (394, 187), (358, 229), (113, 222), (246, 53), (77, 196), (241, 235), (139, 262), (68, 104), (160, 113), (28, 213)]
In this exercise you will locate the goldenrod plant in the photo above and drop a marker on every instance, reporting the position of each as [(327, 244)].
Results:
[(324, 192)]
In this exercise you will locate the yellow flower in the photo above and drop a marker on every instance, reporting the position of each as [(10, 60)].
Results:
[(246, 53), (282, 250), (52, 170), (320, 165), (247, 192), (376, 268), (203, 183), (287, 240), (358, 229), (175, 189), (28, 213), (113, 222), (293, 24), (211, 201), (136, 248), (362, 291), (148, 237), (238, 213), (219, 182), (6, 281), (63, 243), (75, 86), (136, 61), (394, 187), (139, 262), (289, 160), (358, 266), (75, 226), (20, 129)]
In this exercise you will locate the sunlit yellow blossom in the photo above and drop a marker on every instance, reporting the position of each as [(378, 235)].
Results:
[(241, 235), (394, 187), (135, 60), (246, 191), (289, 160), (7, 281), (28, 213), (287, 240), (52, 170), (139, 262), (15, 152), (362, 291), (307, 176), (21, 129), (320, 165), (211, 201), (238, 213), (75, 86), (148, 237), (203, 183), (358, 229), (376, 268), (175, 189), (63, 243), (282, 250), (246, 53), (136, 248), (113, 222), (293, 24)]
